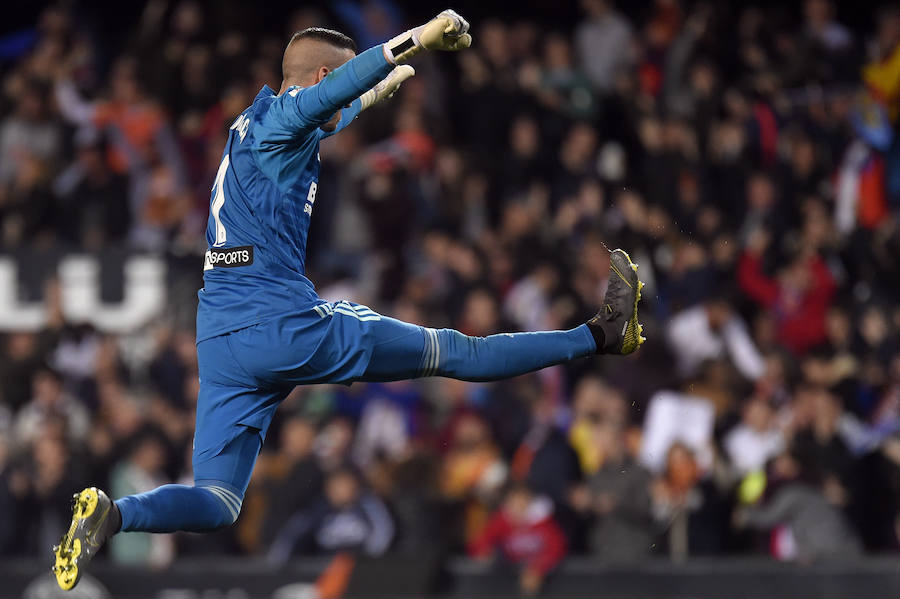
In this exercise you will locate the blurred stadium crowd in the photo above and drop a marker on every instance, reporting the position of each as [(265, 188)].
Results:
[(743, 156)]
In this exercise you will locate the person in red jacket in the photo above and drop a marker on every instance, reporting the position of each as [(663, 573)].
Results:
[(527, 535), (799, 295)]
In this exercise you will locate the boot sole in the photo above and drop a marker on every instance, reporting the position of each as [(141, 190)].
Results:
[(68, 551)]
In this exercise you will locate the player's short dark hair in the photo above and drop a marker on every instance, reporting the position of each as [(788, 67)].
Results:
[(329, 36)]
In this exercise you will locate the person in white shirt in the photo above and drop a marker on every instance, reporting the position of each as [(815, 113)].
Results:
[(756, 440), (711, 331)]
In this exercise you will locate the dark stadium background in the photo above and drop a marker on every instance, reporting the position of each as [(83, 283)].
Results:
[(495, 215), (112, 18)]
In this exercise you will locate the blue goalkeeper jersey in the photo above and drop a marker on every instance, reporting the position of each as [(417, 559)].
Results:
[(263, 197)]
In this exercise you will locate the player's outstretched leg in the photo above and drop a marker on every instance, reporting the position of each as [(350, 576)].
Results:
[(94, 519), (399, 352)]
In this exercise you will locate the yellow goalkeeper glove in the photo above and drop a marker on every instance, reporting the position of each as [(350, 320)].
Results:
[(386, 87), (447, 31)]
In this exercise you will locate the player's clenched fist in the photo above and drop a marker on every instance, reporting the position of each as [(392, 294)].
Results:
[(447, 31)]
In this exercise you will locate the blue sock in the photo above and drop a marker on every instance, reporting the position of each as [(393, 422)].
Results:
[(172, 508), (452, 354), (213, 503)]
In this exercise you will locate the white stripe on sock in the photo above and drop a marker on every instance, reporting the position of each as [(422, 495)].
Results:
[(432, 353), (237, 500), (426, 354), (430, 364), (224, 499), (232, 500), (437, 353)]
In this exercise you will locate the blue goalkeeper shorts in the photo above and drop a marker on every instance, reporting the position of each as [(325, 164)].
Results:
[(245, 374)]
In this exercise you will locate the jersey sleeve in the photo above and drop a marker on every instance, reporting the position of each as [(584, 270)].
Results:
[(298, 110), (347, 116)]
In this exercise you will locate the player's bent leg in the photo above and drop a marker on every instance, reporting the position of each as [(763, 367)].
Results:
[(233, 413), (213, 502), (211, 505), (167, 509), (172, 508)]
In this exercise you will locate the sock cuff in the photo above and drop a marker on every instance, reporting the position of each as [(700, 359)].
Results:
[(596, 335), (431, 354), (125, 514)]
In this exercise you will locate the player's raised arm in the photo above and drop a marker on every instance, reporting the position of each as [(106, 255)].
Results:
[(321, 75), (332, 89), (383, 90)]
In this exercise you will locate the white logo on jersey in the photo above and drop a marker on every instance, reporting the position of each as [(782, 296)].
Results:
[(241, 124), (310, 198), (239, 256)]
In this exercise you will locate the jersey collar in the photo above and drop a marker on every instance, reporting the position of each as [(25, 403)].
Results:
[(265, 92)]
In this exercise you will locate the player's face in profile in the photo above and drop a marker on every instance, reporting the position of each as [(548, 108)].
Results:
[(331, 125)]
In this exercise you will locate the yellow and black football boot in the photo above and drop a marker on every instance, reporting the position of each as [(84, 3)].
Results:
[(95, 518), (615, 327)]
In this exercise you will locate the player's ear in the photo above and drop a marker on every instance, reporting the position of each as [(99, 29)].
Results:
[(321, 73)]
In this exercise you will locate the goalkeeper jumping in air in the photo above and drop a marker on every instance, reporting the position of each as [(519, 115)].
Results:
[(261, 328)]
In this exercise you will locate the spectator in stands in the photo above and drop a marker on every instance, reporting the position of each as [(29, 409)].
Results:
[(140, 471), (51, 400), (556, 83), (526, 535), (387, 421), (29, 134), (675, 419), (800, 295), (820, 448), (473, 471), (10, 483), (24, 354), (414, 503), (143, 145), (94, 197), (604, 44), (45, 490), (593, 403), (617, 496), (295, 479), (346, 518), (816, 529), (333, 444), (688, 506), (839, 353), (545, 460), (132, 120), (709, 332), (757, 439)]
